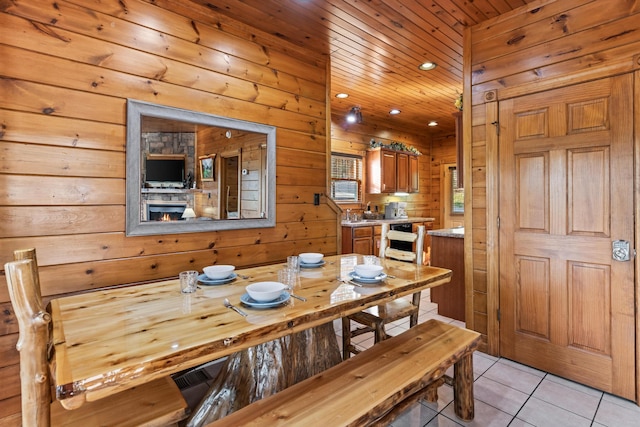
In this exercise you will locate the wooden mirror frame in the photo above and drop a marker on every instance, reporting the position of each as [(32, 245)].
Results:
[(134, 224)]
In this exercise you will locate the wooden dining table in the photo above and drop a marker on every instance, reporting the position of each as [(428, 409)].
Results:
[(109, 340)]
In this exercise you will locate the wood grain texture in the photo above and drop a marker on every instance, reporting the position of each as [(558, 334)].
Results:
[(266, 369), (448, 252), (67, 71), (545, 47), (385, 38), (154, 330), (385, 373), (355, 139)]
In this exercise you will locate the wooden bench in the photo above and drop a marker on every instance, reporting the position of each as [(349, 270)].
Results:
[(376, 385), (157, 403)]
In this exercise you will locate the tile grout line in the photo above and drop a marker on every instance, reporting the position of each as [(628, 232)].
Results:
[(528, 398)]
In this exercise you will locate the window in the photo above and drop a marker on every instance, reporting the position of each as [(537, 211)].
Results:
[(346, 178), (457, 194)]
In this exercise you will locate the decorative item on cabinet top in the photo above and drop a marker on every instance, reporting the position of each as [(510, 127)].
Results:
[(395, 146)]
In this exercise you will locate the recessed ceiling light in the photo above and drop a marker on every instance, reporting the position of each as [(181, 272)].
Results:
[(433, 123), (425, 66), (394, 111), (342, 95)]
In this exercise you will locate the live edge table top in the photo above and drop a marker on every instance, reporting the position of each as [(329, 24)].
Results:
[(110, 340)]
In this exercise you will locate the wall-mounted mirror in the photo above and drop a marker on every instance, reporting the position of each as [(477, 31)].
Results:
[(191, 172)]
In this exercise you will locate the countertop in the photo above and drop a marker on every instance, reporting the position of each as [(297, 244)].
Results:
[(457, 232), (369, 222)]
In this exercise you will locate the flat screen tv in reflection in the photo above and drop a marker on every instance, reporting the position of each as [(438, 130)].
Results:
[(165, 172)]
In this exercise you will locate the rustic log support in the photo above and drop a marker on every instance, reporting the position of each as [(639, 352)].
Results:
[(463, 387), (258, 372)]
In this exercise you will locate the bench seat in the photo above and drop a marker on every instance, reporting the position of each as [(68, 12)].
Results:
[(157, 403), (365, 389)]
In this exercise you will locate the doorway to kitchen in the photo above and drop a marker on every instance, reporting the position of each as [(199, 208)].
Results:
[(230, 184), (452, 197)]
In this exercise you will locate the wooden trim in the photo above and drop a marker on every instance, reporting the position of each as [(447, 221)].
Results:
[(636, 208), (467, 181), (492, 244)]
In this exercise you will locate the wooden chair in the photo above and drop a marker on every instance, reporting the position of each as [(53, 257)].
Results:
[(375, 318), (158, 403)]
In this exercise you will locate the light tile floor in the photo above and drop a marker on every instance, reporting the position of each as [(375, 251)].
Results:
[(510, 394), (506, 393)]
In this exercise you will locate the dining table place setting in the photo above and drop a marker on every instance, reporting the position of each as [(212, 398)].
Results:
[(112, 339)]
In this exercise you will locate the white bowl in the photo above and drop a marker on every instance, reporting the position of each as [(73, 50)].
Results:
[(265, 291), (311, 257), (368, 271), (218, 271)]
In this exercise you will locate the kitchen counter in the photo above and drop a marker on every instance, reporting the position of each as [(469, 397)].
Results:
[(369, 222), (457, 233), (447, 251)]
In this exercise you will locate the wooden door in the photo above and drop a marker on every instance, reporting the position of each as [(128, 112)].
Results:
[(566, 193), (414, 174), (402, 172), (388, 170), (230, 185)]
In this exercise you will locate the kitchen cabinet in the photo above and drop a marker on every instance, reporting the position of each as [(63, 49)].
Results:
[(413, 174), (357, 240), (377, 233), (364, 238), (390, 171), (448, 252), (402, 172)]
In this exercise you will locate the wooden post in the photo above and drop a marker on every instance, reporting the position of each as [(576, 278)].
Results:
[(33, 321), (463, 387)]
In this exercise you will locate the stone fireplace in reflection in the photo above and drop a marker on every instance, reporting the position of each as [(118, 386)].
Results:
[(158, 210)]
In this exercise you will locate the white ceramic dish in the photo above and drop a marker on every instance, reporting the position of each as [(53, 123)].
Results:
[(315, 265), (209, 282), (265, 291), (248, 301), (217, 272), (310, 257), (368, 271), (371, 280)]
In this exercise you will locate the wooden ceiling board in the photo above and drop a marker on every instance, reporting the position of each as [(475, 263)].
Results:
[(375, 48)]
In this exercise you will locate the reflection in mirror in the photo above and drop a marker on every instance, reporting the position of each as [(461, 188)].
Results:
[(192, 172)]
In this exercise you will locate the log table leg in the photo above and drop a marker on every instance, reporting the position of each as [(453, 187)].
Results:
[(463, 388), (258, 372)]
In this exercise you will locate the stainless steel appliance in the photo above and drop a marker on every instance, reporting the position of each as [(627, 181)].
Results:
[(395, 210), (398, 244)]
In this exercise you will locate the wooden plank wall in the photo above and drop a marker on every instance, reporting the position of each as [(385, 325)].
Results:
[(355, 139), (66, 71), (541, 46)]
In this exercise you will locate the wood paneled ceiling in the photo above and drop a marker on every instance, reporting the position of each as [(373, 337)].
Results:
[(376, 47)]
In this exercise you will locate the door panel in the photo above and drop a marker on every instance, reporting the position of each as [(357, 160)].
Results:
[(566, 192)]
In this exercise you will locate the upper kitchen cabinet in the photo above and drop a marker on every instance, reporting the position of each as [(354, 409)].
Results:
[(390, 171), (413, 174)]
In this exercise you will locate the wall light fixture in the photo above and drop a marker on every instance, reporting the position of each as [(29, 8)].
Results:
[(355, 115)]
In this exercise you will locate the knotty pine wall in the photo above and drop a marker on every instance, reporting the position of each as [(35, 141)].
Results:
[(435, 149), (541, 46), (66, 71)]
